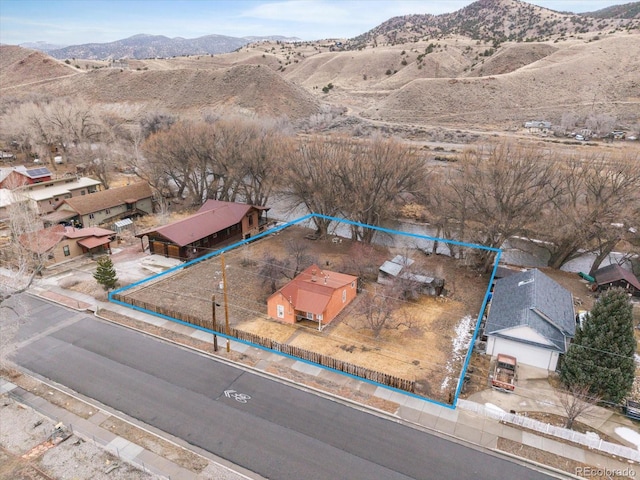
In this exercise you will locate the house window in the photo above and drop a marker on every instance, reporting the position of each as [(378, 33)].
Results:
[(344, 296), (66, 251), (309, 316), (353, 284), (82, 192), (91, 215), (250, 220), (107, 211), (280, 309)]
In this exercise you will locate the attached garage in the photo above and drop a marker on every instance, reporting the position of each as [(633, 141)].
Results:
[(531, 317), (527, 354)]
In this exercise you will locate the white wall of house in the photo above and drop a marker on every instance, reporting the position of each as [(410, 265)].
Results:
[(524, 353)]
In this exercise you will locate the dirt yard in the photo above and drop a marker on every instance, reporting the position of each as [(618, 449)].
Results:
[(427, 348)]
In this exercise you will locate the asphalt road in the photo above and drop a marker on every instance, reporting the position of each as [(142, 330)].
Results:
[(273, 429)]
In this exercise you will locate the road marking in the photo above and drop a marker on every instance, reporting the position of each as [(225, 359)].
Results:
[(238, 397)]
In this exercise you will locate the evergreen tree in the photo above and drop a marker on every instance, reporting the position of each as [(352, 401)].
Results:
[(106, 273), (601, 355)]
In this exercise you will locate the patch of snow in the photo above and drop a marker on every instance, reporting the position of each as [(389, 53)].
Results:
[(629, 435), (460, 345), (637, 357), (494, 408)]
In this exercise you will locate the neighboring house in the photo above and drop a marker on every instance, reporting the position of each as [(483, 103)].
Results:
[(615, 276), (61, 243), (538, 126), (19, 176), (103, 207), (532, 318), (214, 223), (46, 196), (315, 295), (400, 268)]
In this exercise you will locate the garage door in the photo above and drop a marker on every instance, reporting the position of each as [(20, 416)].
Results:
[(527, 354), (173, 251), (158, 248)]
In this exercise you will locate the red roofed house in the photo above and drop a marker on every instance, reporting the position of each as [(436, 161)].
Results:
[(316, 295), (63, 243), (214, 223), (21, 175)]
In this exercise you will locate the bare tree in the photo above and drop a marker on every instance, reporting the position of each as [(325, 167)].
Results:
[(27, 252), (577, 401), (363, 262), (594, 209), (49, 124), (376, 309), (497, 193), (600, 123), (374, 177), (299, 256), (273, 269), (216, 159), (379, 309), (309, 177)]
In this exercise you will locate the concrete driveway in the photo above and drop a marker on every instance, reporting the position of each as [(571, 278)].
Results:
[(534, 393)]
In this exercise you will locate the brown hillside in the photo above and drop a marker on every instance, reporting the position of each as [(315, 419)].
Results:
[(591, 77), (20, 66), (512, 57), (245, 87)]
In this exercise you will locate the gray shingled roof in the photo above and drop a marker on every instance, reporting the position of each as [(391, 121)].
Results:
[(532, 299)]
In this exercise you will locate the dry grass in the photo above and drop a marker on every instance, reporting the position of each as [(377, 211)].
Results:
[(452, 86), (419, 350)]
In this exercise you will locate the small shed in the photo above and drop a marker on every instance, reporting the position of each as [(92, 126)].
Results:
[(400, 268), (616, 276)]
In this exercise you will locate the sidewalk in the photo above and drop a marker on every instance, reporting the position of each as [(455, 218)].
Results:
[(469, 422)]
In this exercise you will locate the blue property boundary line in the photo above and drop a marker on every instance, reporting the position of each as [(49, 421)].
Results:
[(339, 220)]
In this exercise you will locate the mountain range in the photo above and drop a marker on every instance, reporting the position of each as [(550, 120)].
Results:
[(396, 78), (492, 20), (153, 46)]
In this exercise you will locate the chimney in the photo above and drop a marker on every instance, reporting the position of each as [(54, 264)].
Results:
[(313, 275)]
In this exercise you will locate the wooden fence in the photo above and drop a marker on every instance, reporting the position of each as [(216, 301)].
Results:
[(314, 357)]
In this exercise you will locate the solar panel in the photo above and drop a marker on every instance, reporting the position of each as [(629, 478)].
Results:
[(38, 172)]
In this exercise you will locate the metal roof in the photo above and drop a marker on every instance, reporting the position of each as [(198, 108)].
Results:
[(213, 217)]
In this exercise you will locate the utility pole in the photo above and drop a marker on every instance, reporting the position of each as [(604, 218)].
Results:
[(226, 304), (213, 322)]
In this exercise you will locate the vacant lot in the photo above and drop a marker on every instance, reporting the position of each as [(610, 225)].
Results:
[(428, 339)]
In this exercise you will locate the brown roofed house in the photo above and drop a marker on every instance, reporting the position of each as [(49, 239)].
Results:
[(615, 276), (109, 205), (62, 243), (316, 295), (215, 223)]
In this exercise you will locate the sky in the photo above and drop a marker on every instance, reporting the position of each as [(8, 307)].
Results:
[(75, 22)]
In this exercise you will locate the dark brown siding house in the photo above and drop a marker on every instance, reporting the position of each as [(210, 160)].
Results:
[(212, 225), (615, 276)]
